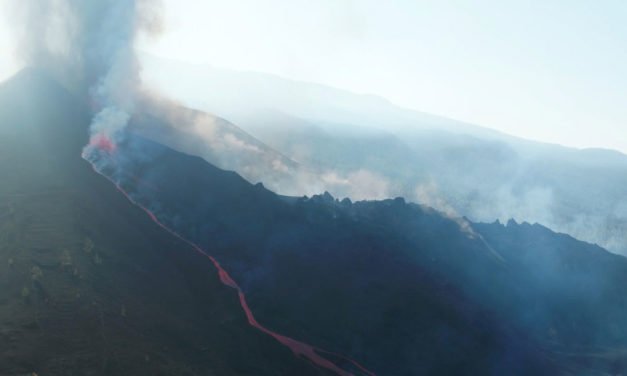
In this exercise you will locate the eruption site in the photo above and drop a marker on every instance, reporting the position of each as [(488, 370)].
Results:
[(102, 143), (89, 48)]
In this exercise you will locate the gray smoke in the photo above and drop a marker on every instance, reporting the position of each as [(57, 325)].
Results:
[(88, 45)]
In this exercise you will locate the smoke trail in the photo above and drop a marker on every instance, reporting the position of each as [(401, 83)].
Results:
[(88, 45)]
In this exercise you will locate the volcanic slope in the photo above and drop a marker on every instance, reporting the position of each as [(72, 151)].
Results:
[(89, 285), (401, 288)]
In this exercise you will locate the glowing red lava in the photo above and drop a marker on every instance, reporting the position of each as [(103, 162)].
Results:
[(102, 142), (301, 349)]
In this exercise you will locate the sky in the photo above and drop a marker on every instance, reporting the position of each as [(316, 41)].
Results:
[(547, 70), (8, 65)]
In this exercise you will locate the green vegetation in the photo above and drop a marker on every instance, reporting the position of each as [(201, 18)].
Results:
[(36, 273)]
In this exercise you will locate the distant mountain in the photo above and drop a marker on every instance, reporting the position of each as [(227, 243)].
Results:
[(399, 287), (90, 285), (232, 94), (365, 147)]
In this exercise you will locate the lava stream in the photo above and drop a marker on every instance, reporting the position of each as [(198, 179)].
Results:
[(103, 143), (298, 348)]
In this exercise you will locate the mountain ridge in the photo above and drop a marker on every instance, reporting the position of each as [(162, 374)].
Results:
[(153, 60), (352, 148)]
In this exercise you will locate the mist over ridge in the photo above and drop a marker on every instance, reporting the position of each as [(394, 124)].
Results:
[(364, 147)]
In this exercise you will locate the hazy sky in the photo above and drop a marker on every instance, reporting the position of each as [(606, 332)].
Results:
[(7, 62), (550, 70)]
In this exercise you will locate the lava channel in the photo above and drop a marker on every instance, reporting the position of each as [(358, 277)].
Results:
[(300, 349)]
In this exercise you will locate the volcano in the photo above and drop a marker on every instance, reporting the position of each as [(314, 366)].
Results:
[(140, 259), (90, 284)]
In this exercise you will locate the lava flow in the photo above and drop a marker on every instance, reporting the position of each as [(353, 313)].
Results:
[(102, 142), (304, 350)]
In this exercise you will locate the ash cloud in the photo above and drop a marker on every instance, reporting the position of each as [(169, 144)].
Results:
[(89, 47)]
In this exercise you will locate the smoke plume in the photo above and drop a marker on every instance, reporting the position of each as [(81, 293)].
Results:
[(88, 46)]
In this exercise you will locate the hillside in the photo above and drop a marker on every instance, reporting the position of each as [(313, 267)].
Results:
[(90, 285), (401, 288)]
